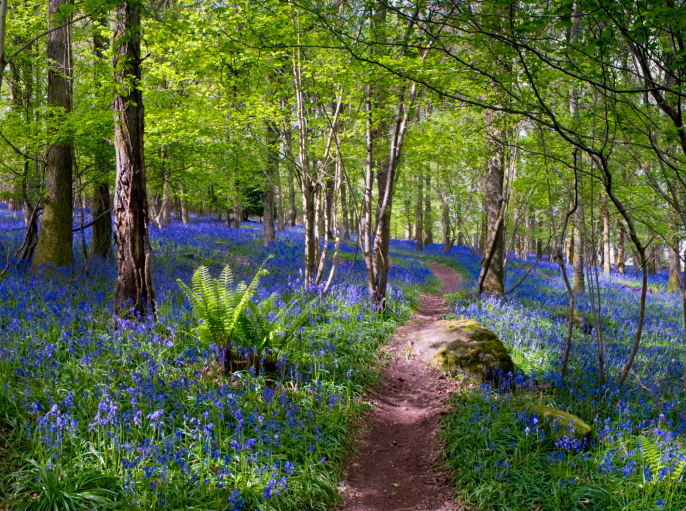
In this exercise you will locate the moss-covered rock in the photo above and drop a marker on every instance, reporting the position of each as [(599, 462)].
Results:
[(559, 423), (463, 346)]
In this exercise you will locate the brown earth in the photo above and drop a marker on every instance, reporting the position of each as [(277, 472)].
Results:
[(398, 465)]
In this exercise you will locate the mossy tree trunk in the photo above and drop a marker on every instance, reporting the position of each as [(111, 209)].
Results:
[(56, 235), (131, 217)]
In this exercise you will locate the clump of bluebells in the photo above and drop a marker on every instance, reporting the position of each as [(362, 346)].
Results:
[(637, 457), (144, 406)]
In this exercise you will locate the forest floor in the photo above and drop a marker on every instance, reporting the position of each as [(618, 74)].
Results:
[(398, 466)]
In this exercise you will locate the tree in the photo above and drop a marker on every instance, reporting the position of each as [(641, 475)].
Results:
[(55, 236), (134, 254)]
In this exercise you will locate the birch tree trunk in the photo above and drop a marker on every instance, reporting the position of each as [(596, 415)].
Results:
[(56, 237), (134, 253)]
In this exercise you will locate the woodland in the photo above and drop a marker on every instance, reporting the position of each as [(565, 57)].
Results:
[(216, 216)]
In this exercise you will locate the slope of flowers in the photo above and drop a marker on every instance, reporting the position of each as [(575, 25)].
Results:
[(637, 460), (101, 412)]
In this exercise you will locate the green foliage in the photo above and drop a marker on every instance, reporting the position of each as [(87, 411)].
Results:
[(39, 488), (230, 318)]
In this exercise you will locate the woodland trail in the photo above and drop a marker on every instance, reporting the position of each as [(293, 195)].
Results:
[(397, 468)]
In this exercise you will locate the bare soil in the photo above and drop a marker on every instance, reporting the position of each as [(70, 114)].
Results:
[(398, 465)]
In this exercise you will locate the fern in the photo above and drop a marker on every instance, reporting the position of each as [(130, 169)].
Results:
[(653, 458), (229, 317)]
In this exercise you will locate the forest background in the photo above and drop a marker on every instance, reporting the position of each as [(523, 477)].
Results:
[(516, 128)]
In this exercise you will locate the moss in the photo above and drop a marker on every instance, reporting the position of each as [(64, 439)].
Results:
[(560, 423), (479, 352)]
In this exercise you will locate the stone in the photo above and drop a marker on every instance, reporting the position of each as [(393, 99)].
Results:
[(462, 346), (560, 423)]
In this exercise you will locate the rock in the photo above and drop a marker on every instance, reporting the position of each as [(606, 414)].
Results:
[(560, 423), (464, 346)]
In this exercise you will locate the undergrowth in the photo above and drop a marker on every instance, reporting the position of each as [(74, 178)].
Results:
[(501, 459), (100, 412)]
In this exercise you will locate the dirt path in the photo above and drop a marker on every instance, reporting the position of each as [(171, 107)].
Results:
[(397, 468)]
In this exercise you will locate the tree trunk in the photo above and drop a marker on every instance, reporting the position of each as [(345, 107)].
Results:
[(657, 251), (344, 211), (280, 214), (134, 253), (165, 208), (674, 281), (185, 217), (492, 271), (445, 221), (606, 240), (408, 220), (578, 284), (419, 216), (621, 257), (428, 217), (102, 200), (102, 221), (292, 206), (271, 173), (237, 206), (55, 237)]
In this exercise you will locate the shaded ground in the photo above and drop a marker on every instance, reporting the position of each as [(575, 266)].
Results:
[(397, 467)]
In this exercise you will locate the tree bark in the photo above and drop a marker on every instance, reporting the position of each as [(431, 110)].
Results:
[(428, 217), (408, 220), (606, 240), (102, 200), (237, 206), (621, 254), (55, 237), (165, 208), (344, 211), (131, 217), (674, 281), (271, 173), (102, 220), (185, 217), (280, 214), (419, 215), (494, 199), (657, 254), (578, 284), (445, 221)]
